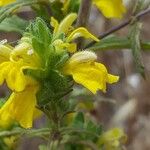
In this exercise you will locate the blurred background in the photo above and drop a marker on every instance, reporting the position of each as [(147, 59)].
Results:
[(127, 103)]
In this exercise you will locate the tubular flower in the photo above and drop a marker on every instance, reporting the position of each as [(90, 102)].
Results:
[(110, 8), (21, 105), (6, 2), (70, 34), (86, 71)]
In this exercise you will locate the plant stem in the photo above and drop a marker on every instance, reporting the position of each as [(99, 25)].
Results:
[(84, 12), (83, 17), (31, 132), (120, 26)]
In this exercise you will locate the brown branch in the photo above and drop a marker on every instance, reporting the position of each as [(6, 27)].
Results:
[(84, 12), (83, 17), (120, 26)]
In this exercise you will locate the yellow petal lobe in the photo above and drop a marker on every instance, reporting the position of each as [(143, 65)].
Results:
[(111, 8), (21, 107), (6, 2), (81, 32)]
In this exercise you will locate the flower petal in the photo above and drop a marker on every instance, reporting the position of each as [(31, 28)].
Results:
[(54, 23), (21, 107), (12, 73), (81, 32), (6, 2), (66, 23), (92, 75), (111, 8)]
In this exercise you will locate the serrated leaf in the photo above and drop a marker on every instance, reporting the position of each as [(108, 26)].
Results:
[(56, 61), (52, 88), (14, 24), (41, 39), (43, 31), (45, 94), (136, 47)]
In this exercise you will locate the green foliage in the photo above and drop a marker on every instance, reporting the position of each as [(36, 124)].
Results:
[(78, 121), (136, 47), (82, 129), (43, 11), (94, 128), (41, 38), (8, 10), (54, 85), (59, 14), (52, 88), (14, 24), (113, 42), (73, 6)]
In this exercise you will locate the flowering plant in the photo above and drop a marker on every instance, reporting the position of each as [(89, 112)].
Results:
[(42, 68)]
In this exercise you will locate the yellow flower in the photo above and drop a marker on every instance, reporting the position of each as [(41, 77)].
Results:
[(6, 2), (112, 139), (110, 8), (70, 35), (14, 61), (86, 71), (21, 105)]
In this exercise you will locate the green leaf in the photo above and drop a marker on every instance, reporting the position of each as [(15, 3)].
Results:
[(14, 24), (136, 47), (8, 10), (43, 11), (73, 6), (52, 88), (45, 94), (93, 128), (43, 32), (57, 60), (111, 42), (56, 11), (117, 43), (78, 121), (41, 39)]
